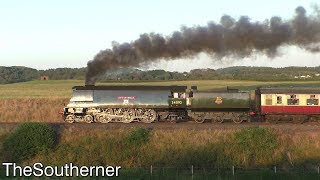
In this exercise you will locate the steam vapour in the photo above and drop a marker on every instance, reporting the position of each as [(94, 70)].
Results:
[(230, 37)]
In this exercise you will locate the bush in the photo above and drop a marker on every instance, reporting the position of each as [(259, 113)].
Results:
[(252, 146), (138, 136), (28, 140)]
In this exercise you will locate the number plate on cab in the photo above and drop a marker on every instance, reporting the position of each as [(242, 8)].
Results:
[(176, 102)]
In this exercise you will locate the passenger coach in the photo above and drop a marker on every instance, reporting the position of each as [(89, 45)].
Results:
[(289, 104)]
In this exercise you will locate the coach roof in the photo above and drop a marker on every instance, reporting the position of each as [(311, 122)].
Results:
[(292, 90), (135, 87)]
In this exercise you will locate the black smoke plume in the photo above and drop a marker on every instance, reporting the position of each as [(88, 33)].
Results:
[(240, 38)]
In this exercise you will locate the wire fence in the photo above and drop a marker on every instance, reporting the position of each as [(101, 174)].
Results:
[(194, 172)]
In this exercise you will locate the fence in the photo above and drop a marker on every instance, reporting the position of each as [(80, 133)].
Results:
[(193, 172)]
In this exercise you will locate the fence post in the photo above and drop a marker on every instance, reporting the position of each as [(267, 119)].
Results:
[(275, 169), (192, 171), (318, 170), (233, 170), (151, 170)]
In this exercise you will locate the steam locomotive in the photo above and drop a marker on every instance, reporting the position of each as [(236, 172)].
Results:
[(149, 104)]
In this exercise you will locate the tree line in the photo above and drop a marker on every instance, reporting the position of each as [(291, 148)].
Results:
[(16, 74), (21, 74), (232, 73)]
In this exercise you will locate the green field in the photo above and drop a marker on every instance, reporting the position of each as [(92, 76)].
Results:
[(62, 88)]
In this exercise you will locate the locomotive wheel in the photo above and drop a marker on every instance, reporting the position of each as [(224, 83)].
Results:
[(239, 119), (127, 116), (88, 118), (149, 116), (104, 118), (109, 111), (70, 118), (118, 111), (219, 119), (173, 118), (199, 118), (139, 113)]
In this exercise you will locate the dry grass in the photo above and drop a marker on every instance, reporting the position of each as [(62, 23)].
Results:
[(300, 148), (31, 109)]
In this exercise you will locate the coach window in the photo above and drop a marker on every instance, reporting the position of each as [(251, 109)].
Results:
[(293, 100), (313, 100), (268, 99), (279, 99)]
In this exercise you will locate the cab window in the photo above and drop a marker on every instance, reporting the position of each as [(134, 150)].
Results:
[(182, 95)]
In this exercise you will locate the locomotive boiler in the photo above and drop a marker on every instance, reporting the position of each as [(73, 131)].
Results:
[(125, 104)]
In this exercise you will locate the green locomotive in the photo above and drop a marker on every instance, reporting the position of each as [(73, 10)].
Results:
[(154, 103)]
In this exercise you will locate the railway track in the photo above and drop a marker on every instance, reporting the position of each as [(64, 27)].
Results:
[(308, 126)]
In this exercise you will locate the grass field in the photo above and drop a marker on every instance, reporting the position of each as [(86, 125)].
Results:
[(62, 88)]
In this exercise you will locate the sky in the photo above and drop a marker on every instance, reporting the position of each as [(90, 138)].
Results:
[(45, 34)]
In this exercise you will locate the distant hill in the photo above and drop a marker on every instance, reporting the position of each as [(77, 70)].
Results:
[(20, 74), (15, 74), (236, 73), (269, 73), (64, 73)]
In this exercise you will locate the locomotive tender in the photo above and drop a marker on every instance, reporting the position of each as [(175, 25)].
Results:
[(148, 104)]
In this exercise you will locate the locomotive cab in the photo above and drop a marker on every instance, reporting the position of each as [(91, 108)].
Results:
[(180, 98), (177, 99)]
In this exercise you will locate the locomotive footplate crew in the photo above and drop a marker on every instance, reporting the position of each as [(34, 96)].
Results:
[(149, 104)]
